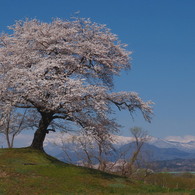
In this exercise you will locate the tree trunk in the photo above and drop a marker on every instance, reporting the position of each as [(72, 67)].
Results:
[(41, 132), (7, 131), (8, 139)]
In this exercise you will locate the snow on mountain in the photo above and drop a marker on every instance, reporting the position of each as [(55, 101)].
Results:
[(168, 148), (160, 143), (121, 140), (181, 139), (186, 143)]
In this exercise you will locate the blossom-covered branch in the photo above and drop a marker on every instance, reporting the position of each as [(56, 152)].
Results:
[(64, 70)]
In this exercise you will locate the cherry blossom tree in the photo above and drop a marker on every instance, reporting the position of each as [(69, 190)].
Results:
[(64, 70)]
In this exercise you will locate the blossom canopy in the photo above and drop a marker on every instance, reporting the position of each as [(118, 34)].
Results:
[(64, 70)]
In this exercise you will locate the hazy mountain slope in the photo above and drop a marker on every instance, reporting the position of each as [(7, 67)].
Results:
[(155, 148)]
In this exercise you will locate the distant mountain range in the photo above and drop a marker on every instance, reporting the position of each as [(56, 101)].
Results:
[(156, 149)]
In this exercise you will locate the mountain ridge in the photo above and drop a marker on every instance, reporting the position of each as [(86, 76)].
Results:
[(159, 149)]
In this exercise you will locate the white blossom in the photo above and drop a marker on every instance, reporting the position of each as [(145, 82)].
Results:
[(66, 68)]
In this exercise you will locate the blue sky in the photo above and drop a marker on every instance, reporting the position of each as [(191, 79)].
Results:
[(161, 34)]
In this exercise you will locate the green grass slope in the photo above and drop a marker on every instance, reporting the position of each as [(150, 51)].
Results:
[(27, 172)]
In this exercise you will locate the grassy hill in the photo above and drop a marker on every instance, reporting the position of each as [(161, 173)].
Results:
[(28, 172)]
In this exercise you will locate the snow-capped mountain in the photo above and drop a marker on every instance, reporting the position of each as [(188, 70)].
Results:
[(184, 145), (159, 149)]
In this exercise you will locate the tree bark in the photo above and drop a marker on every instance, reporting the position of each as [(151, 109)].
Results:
[(8, 139), (40, 133)]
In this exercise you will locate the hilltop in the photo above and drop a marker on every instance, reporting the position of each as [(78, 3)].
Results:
[(26, 171)]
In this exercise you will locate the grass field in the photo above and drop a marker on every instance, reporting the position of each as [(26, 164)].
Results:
[(29, 172)]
